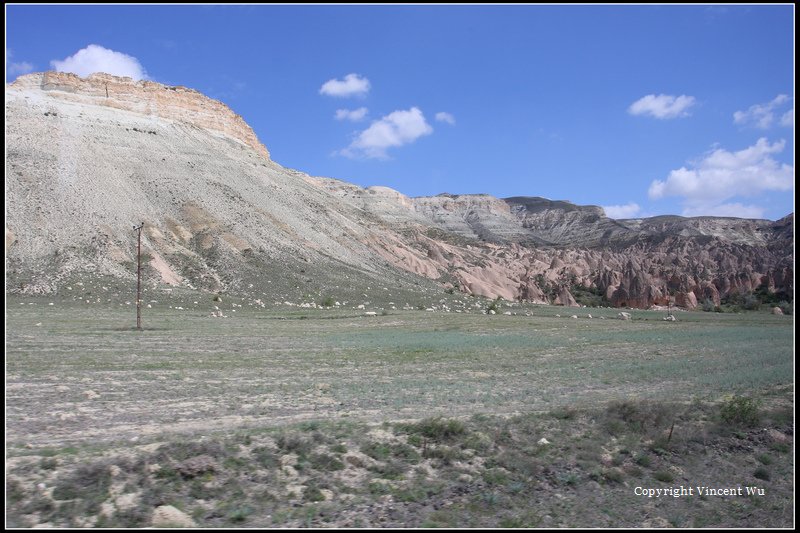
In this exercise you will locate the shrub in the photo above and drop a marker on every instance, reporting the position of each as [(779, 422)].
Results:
[(780, 447), (751, 303), (436, 429), (445, 453), (613, 475), (764, 459), (313, 494), (327, 462), (761, 473), (89, 483), (291, 442), (637, 415), (328, 301), (740, 411), (663, 475), (708, 305)]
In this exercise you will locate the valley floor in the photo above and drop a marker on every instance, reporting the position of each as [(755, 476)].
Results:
[(296, 417)]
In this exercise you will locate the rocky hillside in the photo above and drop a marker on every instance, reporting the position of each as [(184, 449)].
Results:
[(89, 158)]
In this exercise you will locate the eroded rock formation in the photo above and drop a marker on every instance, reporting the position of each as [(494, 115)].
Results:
[(87, 158)]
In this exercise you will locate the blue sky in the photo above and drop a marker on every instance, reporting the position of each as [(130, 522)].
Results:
[(646, 110)]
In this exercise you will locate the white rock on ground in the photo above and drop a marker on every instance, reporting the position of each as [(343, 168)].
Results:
[(169, 516)]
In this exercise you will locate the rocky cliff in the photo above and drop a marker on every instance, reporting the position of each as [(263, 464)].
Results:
[(88, 158), (145, 98)]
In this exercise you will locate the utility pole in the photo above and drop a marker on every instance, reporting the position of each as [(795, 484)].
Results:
[(139, 277)]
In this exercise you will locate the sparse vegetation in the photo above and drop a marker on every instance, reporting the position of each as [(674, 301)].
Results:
[(465, 462), (740, 411)]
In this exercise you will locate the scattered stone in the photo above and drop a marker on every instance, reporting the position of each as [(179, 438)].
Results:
[(194, 466), (169, 516), (589, 316), (370, 313), (777, 311), (354, 459), (574, 316), (777, 436), (670, 318), (543, 441), (491, 312), (90, 394), (290, 459), (127, 501), (622, 315)]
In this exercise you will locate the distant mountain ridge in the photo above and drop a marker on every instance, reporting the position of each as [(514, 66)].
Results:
[(87, 157)]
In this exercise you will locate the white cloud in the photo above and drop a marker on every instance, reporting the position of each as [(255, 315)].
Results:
[(629, 210), (353, 115), (95, 58), (722, 175), (16, 68), (788, 119), (20, 68), (443, 116), (663, 106), (352, 85), (725, 210), (395, 129), (760, 115)]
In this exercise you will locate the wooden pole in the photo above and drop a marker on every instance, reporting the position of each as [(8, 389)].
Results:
[(139, 277)]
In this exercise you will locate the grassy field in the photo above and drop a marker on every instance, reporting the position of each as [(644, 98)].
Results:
[(318, 417)]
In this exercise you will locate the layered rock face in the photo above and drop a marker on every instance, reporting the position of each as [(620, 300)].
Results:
[(88, 158), (164, 102)]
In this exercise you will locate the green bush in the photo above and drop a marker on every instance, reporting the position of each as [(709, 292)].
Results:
[(764, 459), (663, 475), (761, 473), (436, 429), (740, 411), (590, 297), (613, 475)]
